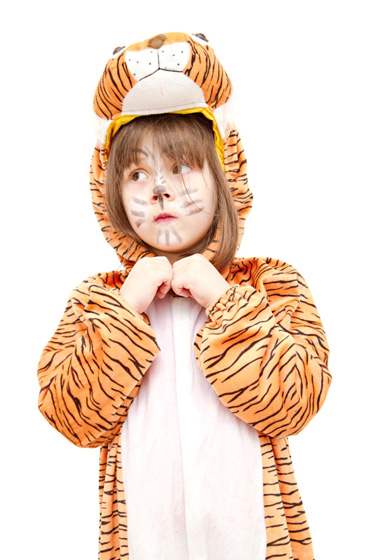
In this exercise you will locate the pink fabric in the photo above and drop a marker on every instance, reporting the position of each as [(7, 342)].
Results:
[(192, 470)]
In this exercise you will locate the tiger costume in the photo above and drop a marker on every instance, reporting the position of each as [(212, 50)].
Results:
[(262, 348)]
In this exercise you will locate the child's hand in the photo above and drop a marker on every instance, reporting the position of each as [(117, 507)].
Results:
[(149, 277), (196, 277)]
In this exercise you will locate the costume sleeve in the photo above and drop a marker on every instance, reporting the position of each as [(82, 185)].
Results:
[(264, 351), (92, 368)]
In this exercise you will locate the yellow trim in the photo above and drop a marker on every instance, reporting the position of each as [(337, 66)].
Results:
[(122, 120)]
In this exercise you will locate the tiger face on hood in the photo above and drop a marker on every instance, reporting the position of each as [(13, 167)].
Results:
[(168, 73)]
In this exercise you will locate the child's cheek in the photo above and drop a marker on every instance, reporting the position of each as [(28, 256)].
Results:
[(138, 210)]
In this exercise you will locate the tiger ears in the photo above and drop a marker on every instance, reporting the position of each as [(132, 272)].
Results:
[(201, 36), (117, 50)]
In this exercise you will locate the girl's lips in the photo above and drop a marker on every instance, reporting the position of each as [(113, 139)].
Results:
[(163, 218)]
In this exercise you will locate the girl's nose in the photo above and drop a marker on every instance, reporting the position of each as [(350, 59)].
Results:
[(160, 193)]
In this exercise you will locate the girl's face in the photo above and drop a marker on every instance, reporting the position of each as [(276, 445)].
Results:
[(169, 206)]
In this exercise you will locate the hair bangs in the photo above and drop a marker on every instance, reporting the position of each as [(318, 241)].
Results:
[(181, 139)]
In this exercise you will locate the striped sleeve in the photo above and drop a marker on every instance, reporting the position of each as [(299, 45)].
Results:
[(264, 351), (92, 368)]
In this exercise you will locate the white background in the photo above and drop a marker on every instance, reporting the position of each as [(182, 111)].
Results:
[(302, 73)]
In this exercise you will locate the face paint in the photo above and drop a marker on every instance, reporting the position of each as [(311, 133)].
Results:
[(140, 215), (138, 201), (176, 235), (169, 206), (192, 206), (159, 190)]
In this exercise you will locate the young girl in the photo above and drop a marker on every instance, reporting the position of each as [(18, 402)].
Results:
[(189, 367)]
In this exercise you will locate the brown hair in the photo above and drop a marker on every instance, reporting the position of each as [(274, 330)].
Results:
[(186, 140)]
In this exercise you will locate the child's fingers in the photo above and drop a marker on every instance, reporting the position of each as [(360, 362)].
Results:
[(196, 277), (148, 277), (184, 292), (163, 289)]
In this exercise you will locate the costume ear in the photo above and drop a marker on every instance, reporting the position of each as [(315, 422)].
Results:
[(201, 36), (118, 50)]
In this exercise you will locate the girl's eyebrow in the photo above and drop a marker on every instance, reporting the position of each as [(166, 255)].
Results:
[(136, 154), (146, 153)]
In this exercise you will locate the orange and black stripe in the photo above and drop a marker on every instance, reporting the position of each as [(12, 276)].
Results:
[(262, 348)]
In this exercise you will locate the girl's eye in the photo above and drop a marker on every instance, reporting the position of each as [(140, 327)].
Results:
[(180, 169), (138, 176)]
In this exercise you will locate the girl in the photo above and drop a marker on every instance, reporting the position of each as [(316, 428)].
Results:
[(189, 367)]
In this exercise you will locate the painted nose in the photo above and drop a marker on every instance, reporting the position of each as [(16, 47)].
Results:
[(160, 193)]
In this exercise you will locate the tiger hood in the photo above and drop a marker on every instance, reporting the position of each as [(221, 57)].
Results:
[(168, 73)]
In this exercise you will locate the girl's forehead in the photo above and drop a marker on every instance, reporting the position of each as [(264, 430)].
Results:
[(142, 150), (147, 147), (149, 150), (172, 145)]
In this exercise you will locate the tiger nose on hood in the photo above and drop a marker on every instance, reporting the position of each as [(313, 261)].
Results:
[(167, 73)]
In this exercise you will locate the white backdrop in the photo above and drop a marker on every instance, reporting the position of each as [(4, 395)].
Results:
[(302, 72)]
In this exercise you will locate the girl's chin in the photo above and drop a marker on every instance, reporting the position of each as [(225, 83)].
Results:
[(175, 249), (167, 251)]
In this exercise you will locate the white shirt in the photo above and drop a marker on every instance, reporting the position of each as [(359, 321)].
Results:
[(192, 470)]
